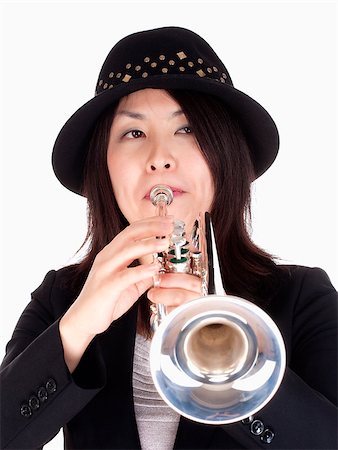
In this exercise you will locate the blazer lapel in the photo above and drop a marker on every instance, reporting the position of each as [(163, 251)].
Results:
[(193, 435)]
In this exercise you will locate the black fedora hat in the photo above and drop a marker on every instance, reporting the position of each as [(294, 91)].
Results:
[(163, 58)]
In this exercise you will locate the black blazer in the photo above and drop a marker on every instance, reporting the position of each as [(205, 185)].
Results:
[(95, 404)]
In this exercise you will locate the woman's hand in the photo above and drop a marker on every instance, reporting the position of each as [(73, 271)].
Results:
[(112, 287), (176, 289)]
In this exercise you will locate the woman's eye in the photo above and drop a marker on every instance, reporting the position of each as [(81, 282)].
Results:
[(135, 134), (184, 130)]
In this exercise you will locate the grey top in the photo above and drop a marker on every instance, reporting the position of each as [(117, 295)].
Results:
[(156, 422)]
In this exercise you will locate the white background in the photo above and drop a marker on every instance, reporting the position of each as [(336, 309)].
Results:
[(283, 54)]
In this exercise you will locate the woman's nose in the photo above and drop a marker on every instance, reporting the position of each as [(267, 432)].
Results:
[(160, 160)]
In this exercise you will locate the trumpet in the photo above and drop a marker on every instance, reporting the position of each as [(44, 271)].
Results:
[(217, 359)]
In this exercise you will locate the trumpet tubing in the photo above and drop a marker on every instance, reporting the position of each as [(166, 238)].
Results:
[(217, 359)]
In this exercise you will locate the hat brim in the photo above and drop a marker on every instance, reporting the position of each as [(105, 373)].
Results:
[(70, 148)]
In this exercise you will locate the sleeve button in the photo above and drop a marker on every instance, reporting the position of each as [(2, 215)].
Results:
[(51, 386), (25, 411), (267, 436), (42, 394), (34, 403), (257, 427)]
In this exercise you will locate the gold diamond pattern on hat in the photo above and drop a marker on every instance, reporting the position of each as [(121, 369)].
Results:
[(181, 55), (200, 73)]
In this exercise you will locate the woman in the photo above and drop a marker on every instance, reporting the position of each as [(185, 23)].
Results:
[(165, 111)]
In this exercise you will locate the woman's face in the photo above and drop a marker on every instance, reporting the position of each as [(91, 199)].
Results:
[(151, 143)]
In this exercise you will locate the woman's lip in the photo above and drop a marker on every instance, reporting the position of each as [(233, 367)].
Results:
[(178, 192)]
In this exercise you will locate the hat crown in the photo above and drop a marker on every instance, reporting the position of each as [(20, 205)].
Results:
[(167, 51)]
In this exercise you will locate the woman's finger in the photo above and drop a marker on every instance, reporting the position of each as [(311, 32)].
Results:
[(181, 280), (172, 297), (145, 228), (137, 240), (140, 276), (132, 251)]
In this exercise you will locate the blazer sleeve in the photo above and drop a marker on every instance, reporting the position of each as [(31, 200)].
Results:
[(38, 394), (303, 413)]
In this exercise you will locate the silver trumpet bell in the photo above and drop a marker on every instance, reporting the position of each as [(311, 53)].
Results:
[(217, 359)]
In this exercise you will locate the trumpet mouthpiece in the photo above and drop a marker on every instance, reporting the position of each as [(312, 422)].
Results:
[(161, 193)]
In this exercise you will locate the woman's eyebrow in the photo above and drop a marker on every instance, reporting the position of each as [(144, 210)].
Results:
[(131, 114), (139, 116)]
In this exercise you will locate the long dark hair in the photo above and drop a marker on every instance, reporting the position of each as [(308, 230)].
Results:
[(247, 270)]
